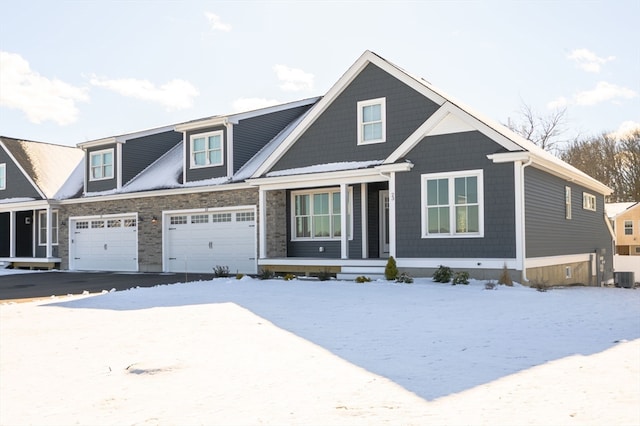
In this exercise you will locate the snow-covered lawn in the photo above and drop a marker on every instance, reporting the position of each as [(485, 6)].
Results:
[(250, 352)]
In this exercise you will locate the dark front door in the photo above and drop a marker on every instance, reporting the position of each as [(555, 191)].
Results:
[(24, 234)]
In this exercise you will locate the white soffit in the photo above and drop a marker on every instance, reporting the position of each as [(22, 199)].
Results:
[(451, 124)]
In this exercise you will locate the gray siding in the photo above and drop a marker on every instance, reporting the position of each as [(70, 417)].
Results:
[(105, 184), (446, 153), (17, 185), (139, 153), (548, 232), (250, 135), (203, 173), (333, 136)]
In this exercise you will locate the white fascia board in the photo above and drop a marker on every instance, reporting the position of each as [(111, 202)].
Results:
[(23, 171), (571, 174), (27, 205), (201, 124), (509, 157), (319, 179)]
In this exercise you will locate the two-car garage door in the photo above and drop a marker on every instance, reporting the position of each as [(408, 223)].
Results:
[(201, 241)]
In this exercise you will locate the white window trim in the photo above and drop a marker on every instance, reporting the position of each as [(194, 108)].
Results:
[(3, 176), (192, 164), (451, 176), (54, 232), (567, 202), (624, 227), (311, 193), (588, 201), (383, 114), (101, 152)]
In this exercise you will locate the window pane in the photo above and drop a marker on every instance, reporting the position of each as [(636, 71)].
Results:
[(199, 158), (372, 131), (108, 158), (303, 229), (443, 191), (444, 219), (214, 142), (371, 113), (433, 220), (472, 189), (321, 203), (302, 205), (96, 160), (198, 144), (321, 226), (461, 219), (432, 192), (337, 226), (96, 172), (108, 171), (335, 208), (215, 157), (473, 219)]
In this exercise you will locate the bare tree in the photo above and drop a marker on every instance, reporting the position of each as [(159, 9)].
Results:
[(543, 131)]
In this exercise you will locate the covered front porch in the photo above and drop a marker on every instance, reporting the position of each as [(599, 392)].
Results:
[(29, 235)]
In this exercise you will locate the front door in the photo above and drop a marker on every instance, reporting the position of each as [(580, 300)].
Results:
[(384, 223), (24, 234)]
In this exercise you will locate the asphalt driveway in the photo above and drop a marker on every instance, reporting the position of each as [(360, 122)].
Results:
[(61, 283)]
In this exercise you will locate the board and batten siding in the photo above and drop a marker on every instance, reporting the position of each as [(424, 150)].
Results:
[(17, 185), (139, 153), (103, 184), (449, 153), (333, 136)]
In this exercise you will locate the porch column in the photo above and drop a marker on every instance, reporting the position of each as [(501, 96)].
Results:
[(49, 232), (392, 214), (262, 225), (363, 218), (344, 235), (12, 233)]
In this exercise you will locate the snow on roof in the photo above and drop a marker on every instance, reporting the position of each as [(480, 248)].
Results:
[(47, 165), (15, 200), (614, 209), (328, 167)]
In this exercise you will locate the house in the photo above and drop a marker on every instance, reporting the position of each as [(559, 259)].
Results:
[(32, 178), (625, 220), (383, 165), (386, 165)]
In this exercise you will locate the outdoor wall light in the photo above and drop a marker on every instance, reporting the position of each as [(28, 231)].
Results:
[(154, 220)]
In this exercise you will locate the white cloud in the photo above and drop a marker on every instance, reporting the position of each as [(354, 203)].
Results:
[(216, 22), (588, 61), (293, 79), (601, 93), (626, 129), (40, 98), (173, 95), (250, 104)]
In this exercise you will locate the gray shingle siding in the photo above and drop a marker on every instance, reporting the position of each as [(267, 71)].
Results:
[(139, 153), (203, 173), (333, 136), (548, 232), (105, 184), (17, 185), (453, 152)]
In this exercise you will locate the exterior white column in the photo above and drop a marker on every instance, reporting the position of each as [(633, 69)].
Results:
[(12, 234), (344, 237), (392, 214), (262, 225), (49, 232), (363, 219)]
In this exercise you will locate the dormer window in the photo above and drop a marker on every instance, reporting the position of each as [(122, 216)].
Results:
[(207, 149), (372, 121), (101, 164)]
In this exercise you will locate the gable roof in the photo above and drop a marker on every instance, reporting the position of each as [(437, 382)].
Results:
[(616, 209), (46, 166), (451, 115)]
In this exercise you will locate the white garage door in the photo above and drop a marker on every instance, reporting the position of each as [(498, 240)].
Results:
[(109, 244), (198, 242)]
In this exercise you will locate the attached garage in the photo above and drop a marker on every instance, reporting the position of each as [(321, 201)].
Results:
[(104, 243), (200, 241)]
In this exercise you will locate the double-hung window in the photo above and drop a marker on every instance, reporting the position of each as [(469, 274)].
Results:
[(101, 165), (628, 227), (567, 202), (453, 204), (3, 176), (42, 230), (317, 215), (372, 121), (207, 149)]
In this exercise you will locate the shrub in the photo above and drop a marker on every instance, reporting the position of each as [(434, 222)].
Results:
[(404, 278), (491, 285), (289, 277), (443, 274), (266, 274), (391, 270), (505, 278), (221, 271), (362, 279), (461, 277), (324, 275), (239, 276)]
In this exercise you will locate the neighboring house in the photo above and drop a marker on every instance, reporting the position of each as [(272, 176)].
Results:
[(32, 176), (625, 219), (383, 165), (387, 165)]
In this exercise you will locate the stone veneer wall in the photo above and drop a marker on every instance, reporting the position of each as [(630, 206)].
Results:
[(276, 224), (150, 234)]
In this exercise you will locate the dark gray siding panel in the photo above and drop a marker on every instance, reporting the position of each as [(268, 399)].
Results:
[(139, 153), (333, 136), (106, 184), (5, 232), (446, 153), (205, 172), (250, 135), (548, 232), (17, 185)]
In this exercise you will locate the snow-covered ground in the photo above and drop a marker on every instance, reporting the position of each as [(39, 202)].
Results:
[(298, 352)]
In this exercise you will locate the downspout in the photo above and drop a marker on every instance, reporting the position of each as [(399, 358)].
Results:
[(522, 220)]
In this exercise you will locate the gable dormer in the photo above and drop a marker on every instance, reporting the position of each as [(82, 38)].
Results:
[(112, 162)]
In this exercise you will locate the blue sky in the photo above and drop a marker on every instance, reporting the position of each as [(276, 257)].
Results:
[(73, 71)]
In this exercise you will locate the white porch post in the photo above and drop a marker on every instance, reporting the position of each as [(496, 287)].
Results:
[(363, 219), (519, 211), (262, 226), (392, 214), (12, 233), (49, 232), (344, 235)]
